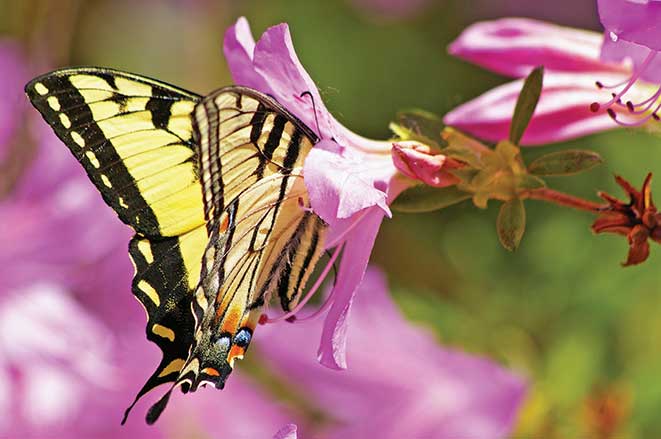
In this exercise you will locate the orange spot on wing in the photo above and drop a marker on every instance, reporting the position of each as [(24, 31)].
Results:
[(235, 351), (224, 224), (211, 371), (231, 321)]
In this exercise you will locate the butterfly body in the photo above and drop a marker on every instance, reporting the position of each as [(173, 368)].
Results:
[(213, 187)]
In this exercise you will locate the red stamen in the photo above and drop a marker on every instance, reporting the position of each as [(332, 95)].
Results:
[(594, 107)]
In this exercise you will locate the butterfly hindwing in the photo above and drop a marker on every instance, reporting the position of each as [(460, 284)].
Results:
[(167, 271), (133, 137), (263, 237)]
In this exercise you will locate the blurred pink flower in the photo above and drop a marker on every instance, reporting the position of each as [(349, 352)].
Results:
[(400, 383), (575, 61), (350, 179)]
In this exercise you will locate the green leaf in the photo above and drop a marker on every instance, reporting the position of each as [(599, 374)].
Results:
[(527, 182), (419, 125), (526, 103), (426, 199), (511, 223), (567, 162)]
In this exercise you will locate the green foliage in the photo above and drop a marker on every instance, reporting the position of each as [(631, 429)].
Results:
[(419, 125), (511, 223), (571, 161), (423, 198), (526, 104)]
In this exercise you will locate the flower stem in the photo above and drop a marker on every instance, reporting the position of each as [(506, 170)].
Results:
[(562, 199)]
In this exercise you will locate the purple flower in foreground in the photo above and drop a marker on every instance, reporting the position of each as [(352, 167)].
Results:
[(401, 383), (575, 62), (350, 179)]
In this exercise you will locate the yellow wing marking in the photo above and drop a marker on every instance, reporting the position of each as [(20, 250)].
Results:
[(162, 331), (174, 366), (150, 292)]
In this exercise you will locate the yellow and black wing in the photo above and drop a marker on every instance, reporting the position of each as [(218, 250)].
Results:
[(133, 136), (213, 188), (263, 237)]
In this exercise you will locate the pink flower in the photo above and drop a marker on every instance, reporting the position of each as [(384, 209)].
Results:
[(400, 383), (575, 61), (632, 35), (418, 161), (350, 179)]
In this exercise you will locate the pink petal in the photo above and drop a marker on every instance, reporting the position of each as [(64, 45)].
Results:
[(357, 250), (287, 432), (272, 67), (238, 47), (562, 113), (514, 46), (416, 161), (623, 51), (400, 382), (634, 21), (341, 185)]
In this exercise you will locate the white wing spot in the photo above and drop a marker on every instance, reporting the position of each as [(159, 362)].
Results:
[(93, 160), (64, 120), (53, 103), (106, 181), (40, 88), (78, 139)]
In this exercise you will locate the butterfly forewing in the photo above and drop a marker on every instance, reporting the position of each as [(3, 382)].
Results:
[(133, 137)]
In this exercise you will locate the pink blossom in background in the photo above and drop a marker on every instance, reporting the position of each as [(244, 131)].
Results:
[(350, 179), (573, 64), (400, 382)]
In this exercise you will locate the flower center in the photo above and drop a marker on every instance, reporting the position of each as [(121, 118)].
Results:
[(635, 114)]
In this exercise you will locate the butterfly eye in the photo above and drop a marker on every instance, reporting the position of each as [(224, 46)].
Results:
[(242, 338), (223, 343)]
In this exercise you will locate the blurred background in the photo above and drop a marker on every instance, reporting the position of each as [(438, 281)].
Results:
[(561, 310)]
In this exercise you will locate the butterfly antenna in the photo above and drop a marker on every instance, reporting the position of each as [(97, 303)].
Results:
[(314, 108)]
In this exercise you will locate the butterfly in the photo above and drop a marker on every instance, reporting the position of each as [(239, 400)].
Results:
[(213, 188)]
